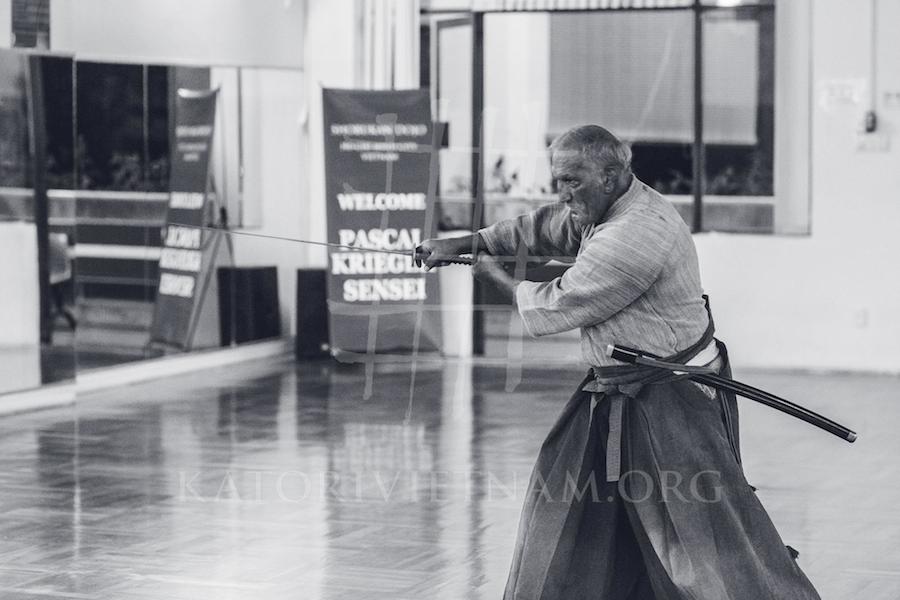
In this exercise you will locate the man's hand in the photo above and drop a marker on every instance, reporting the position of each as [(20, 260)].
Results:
[(435, 252), (490, 268)]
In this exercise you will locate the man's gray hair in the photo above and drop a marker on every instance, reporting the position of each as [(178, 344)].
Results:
[(595, 143)]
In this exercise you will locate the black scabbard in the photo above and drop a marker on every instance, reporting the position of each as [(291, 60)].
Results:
[(708, 377), (776, 402)]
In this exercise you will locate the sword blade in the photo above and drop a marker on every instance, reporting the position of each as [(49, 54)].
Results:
[(412, 254), (294, 240)]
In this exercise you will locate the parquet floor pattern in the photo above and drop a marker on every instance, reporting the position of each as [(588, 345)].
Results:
[(279, 480)]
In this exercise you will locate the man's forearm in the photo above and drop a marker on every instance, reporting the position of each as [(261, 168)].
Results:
[(471, 243)]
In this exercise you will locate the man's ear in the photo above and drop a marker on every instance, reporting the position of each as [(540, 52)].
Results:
[(609, 177)]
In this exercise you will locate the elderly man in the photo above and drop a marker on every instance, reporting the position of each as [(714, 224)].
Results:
[(638, 490)]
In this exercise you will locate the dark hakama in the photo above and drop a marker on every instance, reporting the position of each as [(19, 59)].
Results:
[(682, 523)]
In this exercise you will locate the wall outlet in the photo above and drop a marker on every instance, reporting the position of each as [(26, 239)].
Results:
[(838, 93), (861, 318), (892, 99)]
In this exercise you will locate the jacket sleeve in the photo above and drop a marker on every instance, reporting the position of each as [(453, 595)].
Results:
[(547, 232), (617, 265)]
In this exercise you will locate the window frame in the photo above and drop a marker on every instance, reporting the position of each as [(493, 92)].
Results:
[(695, 211)]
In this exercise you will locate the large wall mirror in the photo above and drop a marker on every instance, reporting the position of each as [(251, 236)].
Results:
[(37, 233), (85, 163), (125, 126)]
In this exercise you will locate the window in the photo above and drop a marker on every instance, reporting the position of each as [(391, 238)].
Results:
[(638, 73), (697, 88), (123, 127)]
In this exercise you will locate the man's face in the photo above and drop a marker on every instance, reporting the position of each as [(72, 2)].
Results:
[(580, 184)]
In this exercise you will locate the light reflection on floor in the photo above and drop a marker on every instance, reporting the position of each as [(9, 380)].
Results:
[(278, 480)]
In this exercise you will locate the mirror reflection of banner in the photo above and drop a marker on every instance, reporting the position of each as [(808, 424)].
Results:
[(379, 189), (184, 263)]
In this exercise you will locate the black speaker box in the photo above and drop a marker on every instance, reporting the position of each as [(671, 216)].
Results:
[(312, 314), (248, 304)]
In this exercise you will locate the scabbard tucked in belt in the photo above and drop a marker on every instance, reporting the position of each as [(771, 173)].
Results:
[(622, 383), (618, 385)]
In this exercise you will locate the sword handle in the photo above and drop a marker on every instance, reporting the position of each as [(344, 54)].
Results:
[(418, 257)]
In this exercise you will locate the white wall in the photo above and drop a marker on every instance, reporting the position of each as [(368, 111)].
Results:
[(331, 51), (230, 32), (19, 304), (283, 149), (276, 176), (5, 23), (830, 300), (793, 35)]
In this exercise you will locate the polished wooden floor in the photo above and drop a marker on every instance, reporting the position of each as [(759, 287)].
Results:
[(318, 482)]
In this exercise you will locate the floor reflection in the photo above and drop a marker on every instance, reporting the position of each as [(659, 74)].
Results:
[(246, 416), (284, 480)]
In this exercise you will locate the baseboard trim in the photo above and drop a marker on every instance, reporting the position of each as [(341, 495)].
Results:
[(179, 364), (63, 394), (47, 396)]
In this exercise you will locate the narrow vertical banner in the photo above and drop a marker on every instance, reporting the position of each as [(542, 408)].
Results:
[(380, 187), (184, 262)]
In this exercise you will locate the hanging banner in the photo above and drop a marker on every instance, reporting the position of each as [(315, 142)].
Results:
[(186, 258), (380, 176)]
